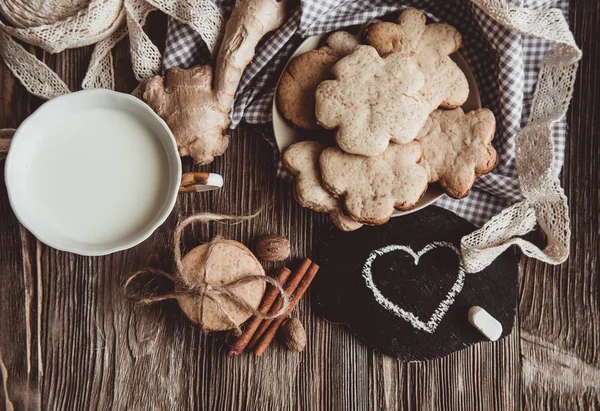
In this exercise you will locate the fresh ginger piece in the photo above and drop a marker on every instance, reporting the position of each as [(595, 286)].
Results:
[(188, 104), (250, 20), (197, 111)]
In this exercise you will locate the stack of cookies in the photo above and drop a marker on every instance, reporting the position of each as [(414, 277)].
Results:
[(394, 106)]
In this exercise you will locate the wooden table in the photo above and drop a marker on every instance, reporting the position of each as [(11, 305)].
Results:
[(70, 340)]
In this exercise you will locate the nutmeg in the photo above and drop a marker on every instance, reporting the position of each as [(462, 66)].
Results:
[(291, 335), (273, 247)]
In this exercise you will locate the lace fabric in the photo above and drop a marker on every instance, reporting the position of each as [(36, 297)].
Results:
[(545, 203), (57, 25)]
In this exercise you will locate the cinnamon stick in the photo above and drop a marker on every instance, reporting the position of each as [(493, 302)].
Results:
[(267, 302), (290, 288), (269, 334)]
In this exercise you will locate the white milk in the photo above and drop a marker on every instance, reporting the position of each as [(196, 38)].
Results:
[(100, 177)]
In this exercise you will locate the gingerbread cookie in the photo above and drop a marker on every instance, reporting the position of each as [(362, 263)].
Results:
[(372, 187), (302, 160), (430, 45), (299, 81), (457, 147), (372, 100)]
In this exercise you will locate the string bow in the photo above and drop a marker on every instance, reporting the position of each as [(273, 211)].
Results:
[(205, 290)]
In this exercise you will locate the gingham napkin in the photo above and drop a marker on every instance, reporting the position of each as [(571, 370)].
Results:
[(505, 65)]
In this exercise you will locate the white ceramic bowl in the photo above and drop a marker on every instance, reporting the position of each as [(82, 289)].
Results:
[(58, 110), (286, 135)]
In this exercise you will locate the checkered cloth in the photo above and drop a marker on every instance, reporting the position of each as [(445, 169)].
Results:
[(505, 65)]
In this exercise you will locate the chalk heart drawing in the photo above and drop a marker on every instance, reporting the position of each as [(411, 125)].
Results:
[(432, 323)]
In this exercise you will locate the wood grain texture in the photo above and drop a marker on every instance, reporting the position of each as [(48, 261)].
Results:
[(559, 308), (70, 340)]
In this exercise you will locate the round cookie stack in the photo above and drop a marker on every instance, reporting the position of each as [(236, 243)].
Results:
[(393, 105)]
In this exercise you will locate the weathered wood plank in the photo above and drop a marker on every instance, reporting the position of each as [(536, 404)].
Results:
[(20, 358), (70, 340)]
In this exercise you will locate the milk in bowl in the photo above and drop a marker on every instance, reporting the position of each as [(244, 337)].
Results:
[(93, 172)]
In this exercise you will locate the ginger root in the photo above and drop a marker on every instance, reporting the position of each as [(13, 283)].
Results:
[(189, 106), (195, 107)]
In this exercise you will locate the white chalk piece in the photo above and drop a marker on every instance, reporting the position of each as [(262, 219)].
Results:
[(485, 323)]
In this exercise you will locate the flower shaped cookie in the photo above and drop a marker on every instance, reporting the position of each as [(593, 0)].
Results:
[(430, 45), (372, 100), (457, 147), (372, 187), (302, 160), (299, 81)]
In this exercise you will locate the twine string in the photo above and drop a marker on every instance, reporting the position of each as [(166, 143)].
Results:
[(205, 290)]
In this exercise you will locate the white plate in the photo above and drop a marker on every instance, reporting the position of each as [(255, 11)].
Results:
[(286, 135)]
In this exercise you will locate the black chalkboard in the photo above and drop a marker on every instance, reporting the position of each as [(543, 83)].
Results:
[(369, 281)]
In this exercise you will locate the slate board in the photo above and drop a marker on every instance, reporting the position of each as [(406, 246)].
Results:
[(341, 293)]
